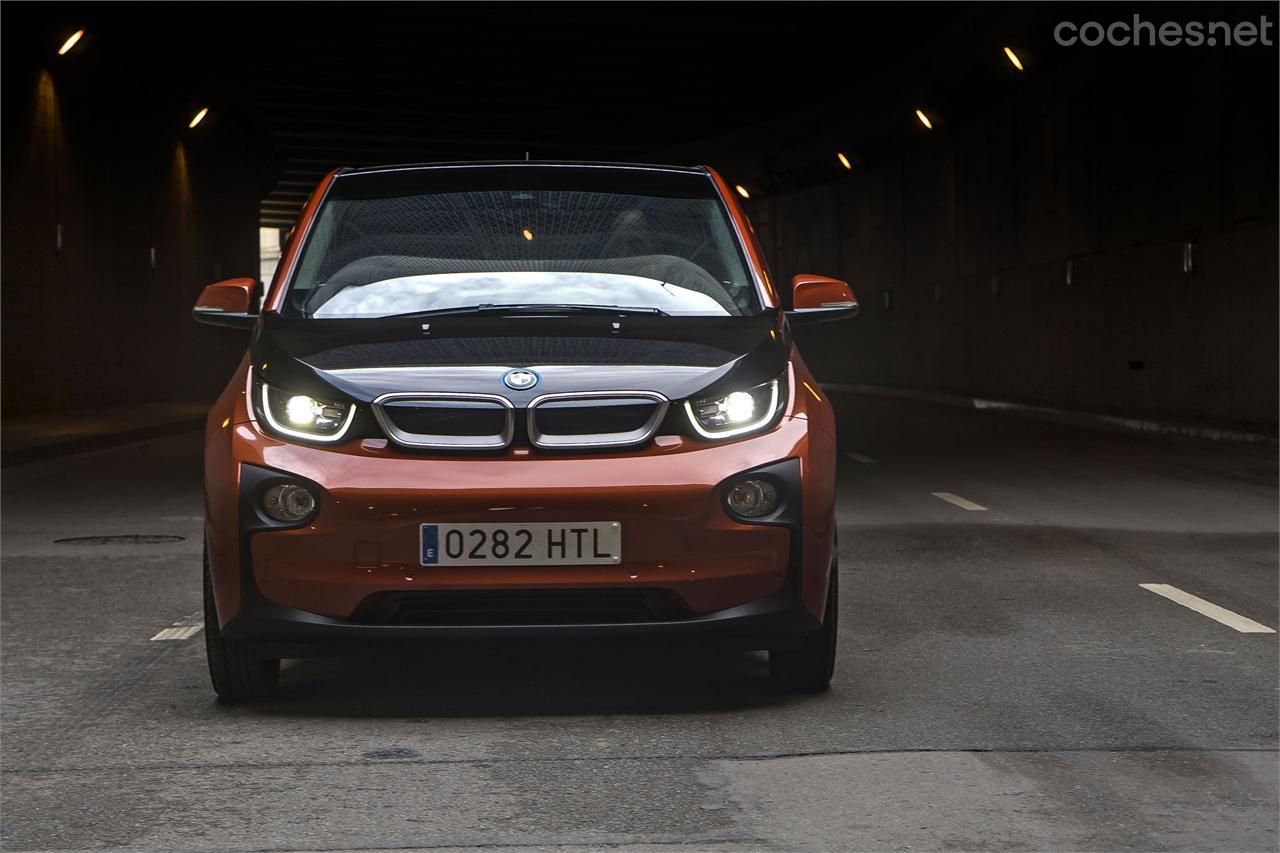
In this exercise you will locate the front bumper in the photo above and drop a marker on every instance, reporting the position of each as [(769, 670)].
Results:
[(772, 615), (309, 586)]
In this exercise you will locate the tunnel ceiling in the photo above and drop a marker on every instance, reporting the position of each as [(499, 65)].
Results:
[(301, 89), (434, 82)]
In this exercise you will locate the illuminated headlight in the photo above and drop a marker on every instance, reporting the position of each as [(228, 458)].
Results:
[(738, 412), (303, 411), (301, 416)]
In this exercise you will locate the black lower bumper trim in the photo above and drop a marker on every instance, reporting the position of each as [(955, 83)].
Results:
[(774, 622)]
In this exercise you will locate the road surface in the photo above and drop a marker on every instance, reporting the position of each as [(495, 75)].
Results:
[(1005, 681)]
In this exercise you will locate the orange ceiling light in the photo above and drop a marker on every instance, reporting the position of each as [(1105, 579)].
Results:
[(70, 42)]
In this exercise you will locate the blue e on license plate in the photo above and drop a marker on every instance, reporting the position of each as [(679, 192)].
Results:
[(587, 543)]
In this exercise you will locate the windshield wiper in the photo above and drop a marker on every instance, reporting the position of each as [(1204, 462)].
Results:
[(524, 309)]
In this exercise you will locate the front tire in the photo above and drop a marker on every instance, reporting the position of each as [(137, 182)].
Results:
[(238, 670), (809, 668)]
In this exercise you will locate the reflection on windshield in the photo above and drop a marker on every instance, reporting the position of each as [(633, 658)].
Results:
[(413, 294), (676, 254)]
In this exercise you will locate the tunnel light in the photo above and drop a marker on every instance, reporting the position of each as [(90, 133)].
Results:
[(70, 43), (528, 235), (924, 119), (742, 191), (199, 117), (844, 161), (1013, 57)]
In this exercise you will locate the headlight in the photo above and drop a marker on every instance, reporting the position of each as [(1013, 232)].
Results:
[(301, 416), (738, 412)]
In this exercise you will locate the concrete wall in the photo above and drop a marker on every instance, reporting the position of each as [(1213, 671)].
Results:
[(968, 231), (94, 322)]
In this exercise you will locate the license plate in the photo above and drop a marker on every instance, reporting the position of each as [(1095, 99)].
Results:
[(588, 543)]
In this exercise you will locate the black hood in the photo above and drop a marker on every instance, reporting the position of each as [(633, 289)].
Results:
[(678, 357)]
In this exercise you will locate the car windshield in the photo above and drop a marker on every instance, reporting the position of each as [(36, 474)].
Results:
[(532, 237)]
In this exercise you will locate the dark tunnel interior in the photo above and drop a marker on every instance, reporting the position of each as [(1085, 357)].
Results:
[(559, 495), (1095, 232)]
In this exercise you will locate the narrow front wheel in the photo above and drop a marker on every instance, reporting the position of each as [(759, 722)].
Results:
[(239, 670), (809, 668)]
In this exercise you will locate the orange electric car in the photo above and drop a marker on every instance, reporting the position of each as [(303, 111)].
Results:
[(515, 399)]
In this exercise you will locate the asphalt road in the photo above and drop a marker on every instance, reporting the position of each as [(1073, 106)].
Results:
[(1004, 681)]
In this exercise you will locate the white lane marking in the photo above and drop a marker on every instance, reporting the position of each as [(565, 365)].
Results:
[(184, 629), (959, 501), (858, 457), (186, 632), (1207, 608)]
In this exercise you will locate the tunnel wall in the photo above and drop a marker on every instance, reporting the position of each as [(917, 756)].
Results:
[(93, 323), (968, 232)]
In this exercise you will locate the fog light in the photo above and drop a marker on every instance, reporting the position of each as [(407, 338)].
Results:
[(753, 498), (288, 502)]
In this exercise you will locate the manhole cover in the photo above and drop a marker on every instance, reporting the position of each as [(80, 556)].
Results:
[(128, 539)]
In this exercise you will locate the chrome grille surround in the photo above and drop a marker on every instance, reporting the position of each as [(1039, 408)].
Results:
[(496, 441), (588, 441)]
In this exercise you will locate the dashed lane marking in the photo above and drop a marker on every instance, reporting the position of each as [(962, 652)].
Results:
[(186, 632), (858, 457), (959, 501), (183, 629), (1243, 624)]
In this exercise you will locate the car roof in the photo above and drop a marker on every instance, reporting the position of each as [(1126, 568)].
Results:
[(413, 179), (503, 164)]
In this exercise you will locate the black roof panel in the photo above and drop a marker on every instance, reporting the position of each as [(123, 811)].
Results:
[(391, 181)]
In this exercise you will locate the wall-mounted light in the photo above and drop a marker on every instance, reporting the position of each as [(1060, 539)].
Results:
[(924, 119), (844, 161), (199, 117), (1013, 57), (742, 191), (528, 235), (70, 42)]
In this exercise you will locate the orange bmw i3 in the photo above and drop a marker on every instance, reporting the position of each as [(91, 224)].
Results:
[(502, 400)]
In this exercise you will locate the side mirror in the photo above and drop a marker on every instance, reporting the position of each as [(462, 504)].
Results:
[(818, 299), (227, 303)]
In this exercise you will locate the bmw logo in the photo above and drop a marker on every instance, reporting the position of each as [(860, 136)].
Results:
[(520, 380)]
